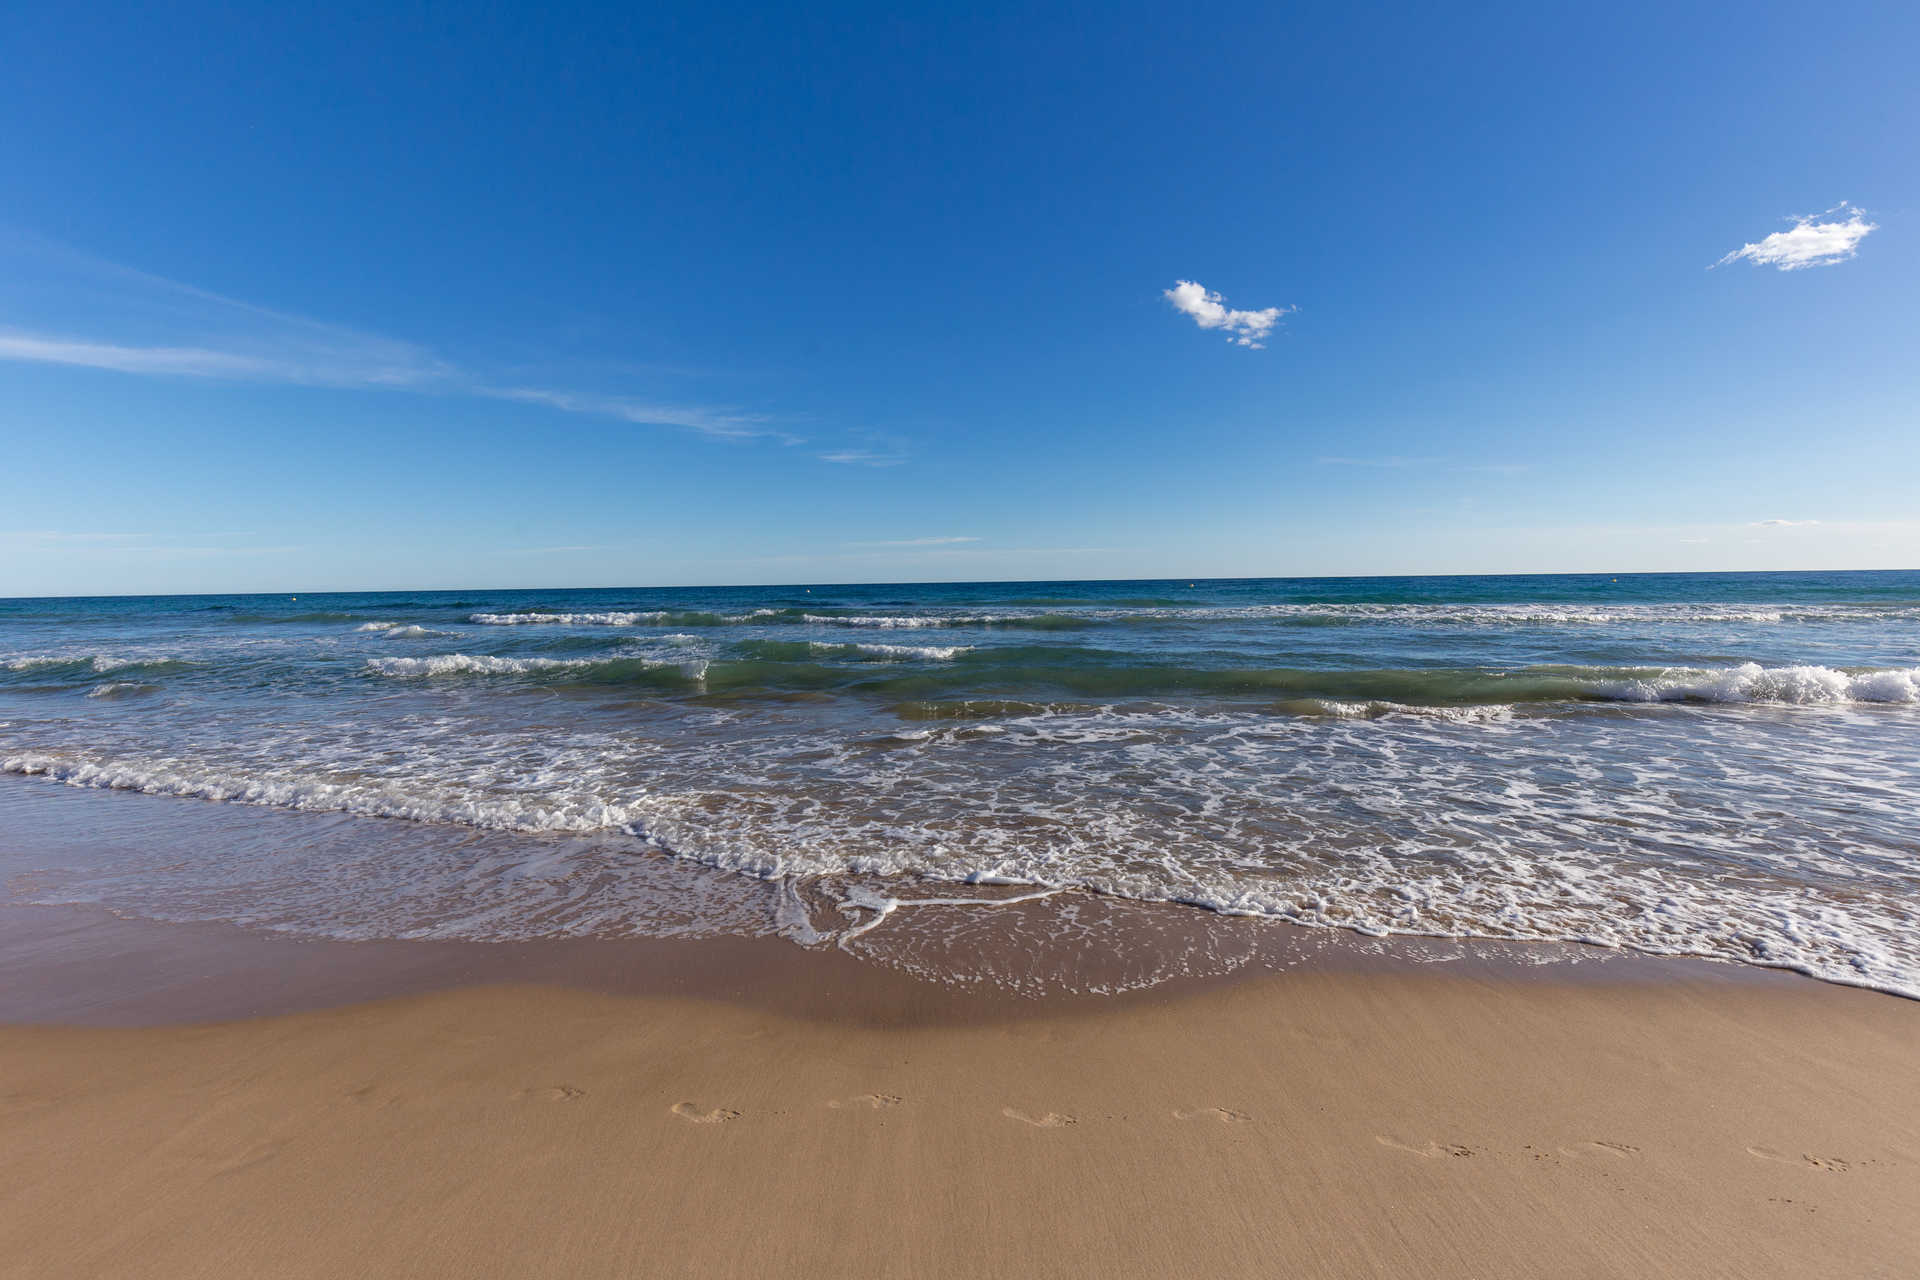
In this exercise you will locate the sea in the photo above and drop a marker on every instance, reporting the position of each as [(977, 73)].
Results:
[(1714, 765)]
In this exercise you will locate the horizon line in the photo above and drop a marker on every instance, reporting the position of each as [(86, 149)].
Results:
[(956, 582)]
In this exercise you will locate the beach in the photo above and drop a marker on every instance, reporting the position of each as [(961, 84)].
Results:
[(1340, 927), (763, 1110), (959, 643)]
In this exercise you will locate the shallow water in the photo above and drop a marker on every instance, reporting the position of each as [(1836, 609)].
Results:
[(1721, 765)]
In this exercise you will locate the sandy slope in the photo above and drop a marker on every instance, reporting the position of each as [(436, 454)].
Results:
[(1416, 1124)]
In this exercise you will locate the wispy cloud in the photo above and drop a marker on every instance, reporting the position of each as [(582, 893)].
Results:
[(1210, 311), (1393, 461), (545, 551), (1397, 462), (1781, 524), (192, 551), (98, 545), (64, 538), (261, 360), (1809, 242), (914, 542), (1036, 551), (162, 328), (728, 423), (192, 362), (157, 326), (862, 458)]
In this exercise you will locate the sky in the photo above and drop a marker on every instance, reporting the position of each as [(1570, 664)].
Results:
[(479, 295)]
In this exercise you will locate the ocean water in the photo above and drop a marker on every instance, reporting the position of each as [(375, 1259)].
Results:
[(1723, 765)]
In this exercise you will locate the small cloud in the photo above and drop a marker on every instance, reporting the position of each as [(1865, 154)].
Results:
[(914, 542), (725, 423), (200, 362), (863, 458), (1781, 524), (1393, 461), (1210, 311), (72, 539), (192, 551), (310, 365), (1809, 242)]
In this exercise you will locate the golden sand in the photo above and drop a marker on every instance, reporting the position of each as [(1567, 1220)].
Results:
[(1410, 1123)]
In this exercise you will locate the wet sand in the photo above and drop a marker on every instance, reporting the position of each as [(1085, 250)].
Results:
[(748, 1107)]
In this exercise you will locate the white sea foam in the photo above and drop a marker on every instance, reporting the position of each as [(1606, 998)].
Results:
[(452, 664), (919, 621), (448, 664), (1751, 682), (400, 631), (644, 618), (293, 789), (1527, 615), (896, 652), (1435, 615), (1579, 828), (906, 621), (1375, 709), (100, 663), (118, 689)]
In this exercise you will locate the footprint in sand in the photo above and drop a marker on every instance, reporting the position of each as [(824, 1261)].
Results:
[(258, 1153), (1051, 1120), (1613, 1150), (689, 1112), (1221, 1114), (1428, 1150), (871, 1101), (553, 1093), (1831, 1164)]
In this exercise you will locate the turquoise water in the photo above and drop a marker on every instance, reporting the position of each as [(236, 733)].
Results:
[(1714, 764)]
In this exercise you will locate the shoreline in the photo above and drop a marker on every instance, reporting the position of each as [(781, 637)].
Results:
[(87, 966)]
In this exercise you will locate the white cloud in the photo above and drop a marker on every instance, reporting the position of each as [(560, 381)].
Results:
[(1781, 524), (61, 536), (371, 363), (1808, 243), (198, 362), (863, 458), (159, 327), (713, 422), (1210, 311), (1401, 461), (118, 546), (1390, 461)]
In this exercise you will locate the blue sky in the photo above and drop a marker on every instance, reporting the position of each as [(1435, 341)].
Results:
[(465, 295)]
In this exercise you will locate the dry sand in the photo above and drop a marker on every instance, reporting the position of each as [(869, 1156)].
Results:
[(1415, 1121)]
